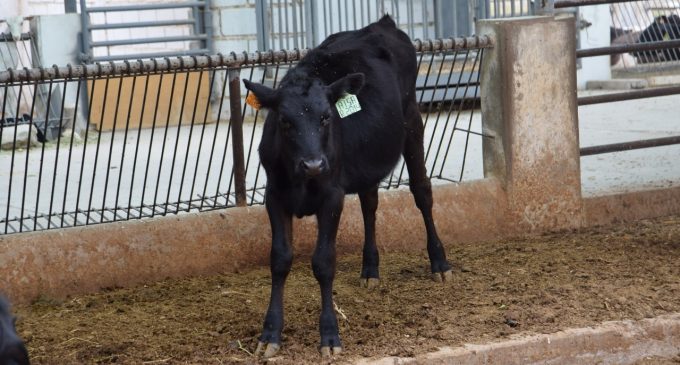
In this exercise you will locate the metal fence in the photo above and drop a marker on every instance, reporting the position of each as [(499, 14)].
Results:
[(286, 24), (167, 136), (647, 22), (655, 45), (107, 30)]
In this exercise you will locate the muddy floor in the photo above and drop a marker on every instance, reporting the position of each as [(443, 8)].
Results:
[(536, 285)]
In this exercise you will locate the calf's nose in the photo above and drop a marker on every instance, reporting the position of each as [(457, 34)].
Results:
[(313, 167)]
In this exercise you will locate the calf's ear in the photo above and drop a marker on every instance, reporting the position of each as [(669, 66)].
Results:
[(350, 84), (266, 96)]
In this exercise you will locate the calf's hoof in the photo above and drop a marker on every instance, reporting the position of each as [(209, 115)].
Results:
[(327, 351), (442, 277), (370, 283), (267, 350)]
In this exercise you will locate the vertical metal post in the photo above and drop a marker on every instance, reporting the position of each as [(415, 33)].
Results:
[(445, 24), (86, 54), (311, 23), (70, 6), (426, 21), (237, 136), (482, 9), (262, 25), (544, 7), (208, 24), (464, 26)]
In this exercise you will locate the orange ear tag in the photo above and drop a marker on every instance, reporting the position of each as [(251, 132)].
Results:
[(252, 101)]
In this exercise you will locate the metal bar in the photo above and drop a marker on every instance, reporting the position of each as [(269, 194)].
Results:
[(261, 25), (159, 23), (7, 37), (42, 157), (70, 149), (11, 169), (207, 20), (201, 62), (70, 6), (623, 48), (189, 138), (155, 6), (123, 42), (179, 130), (237, 138), (139, 135), (87, 130), (638, 94), (571, 3), (113, 137), (134, 56), (125, 136), (310, 23), (226, 143), (295, 25), (99, 140), (626, 146), (285, 7), (28, 148), (85, 35), (200, 140), (467, 135)]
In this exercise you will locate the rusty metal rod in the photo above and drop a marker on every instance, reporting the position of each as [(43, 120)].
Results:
[(626, 146), (623, 48), (237, 136), (571, 3), (638, 94), (195, 63)]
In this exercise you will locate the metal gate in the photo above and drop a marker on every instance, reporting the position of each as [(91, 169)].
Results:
[(194, 26)]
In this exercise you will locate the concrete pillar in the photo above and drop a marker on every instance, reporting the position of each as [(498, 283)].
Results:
[(528, 88)]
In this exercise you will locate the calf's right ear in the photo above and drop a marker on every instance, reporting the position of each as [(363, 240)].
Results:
[(266, 96)]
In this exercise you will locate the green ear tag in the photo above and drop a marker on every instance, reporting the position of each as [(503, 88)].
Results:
[(347, 105)]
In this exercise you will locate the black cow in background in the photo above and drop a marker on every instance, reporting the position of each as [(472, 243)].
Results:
[(12, 350), (664, 28), (313, 157)]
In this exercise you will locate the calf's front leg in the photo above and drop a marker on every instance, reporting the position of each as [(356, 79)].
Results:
[(280, 262), (323, 265)]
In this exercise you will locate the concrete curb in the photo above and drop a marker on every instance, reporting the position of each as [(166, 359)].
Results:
[(616, 342)]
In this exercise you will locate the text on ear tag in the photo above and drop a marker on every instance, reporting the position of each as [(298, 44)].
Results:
[(347, 105), (252, 101)]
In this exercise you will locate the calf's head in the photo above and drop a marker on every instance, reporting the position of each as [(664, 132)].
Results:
[(12, 350), (304, 110)]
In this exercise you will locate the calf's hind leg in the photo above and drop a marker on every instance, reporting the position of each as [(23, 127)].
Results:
[(420, 187), (369, 268)]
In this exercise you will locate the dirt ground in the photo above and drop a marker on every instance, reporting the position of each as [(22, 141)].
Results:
[(541, 284)]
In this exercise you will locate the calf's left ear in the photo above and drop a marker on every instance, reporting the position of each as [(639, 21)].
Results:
[(350, 84)]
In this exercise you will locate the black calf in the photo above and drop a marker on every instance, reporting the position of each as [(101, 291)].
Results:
[(664, 28), (313, 157), (12, 350)]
